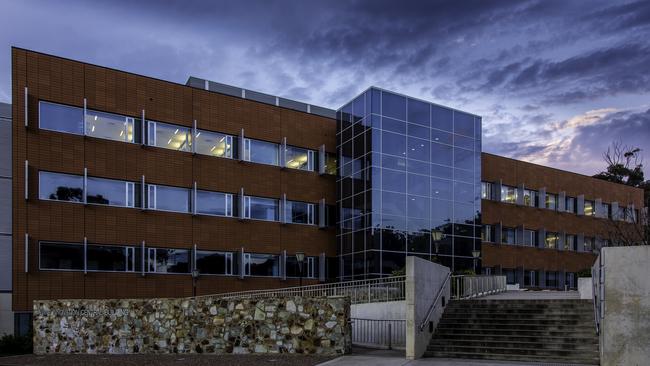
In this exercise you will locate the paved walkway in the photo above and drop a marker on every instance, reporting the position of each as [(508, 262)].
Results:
[(396, 358), (533, 295)]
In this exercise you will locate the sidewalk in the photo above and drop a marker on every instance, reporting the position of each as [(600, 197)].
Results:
[(365, 357)]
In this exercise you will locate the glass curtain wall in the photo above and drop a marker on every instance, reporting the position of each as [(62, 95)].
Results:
[(409, 184)]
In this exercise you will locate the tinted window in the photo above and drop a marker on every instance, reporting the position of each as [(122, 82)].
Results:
[(208, 262), (394, 144), (107, 258), (418, 112), (111, 126), (263, 152), (393, 105), (110, 192), (213, 144), (213, 203), (169, 198), (418, 184), (298, 158), (61, 187), (263, 265), (441, 154), (299, 212), (463, 124), (393, 181), (61, 118), (61, 256), (169, 260), (441, 188), (418, 149), (463, 159), (169, 136), (262, 208), (442, 118)]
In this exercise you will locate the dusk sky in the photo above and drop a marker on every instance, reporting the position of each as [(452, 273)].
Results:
[(555, 81)]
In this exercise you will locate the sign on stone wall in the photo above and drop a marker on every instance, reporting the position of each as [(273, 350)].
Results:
[(209, 324)]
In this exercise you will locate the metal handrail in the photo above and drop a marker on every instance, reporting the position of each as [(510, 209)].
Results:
[(435, 301), (360, 291)]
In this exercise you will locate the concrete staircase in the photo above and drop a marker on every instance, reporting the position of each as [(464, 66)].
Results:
[(518, 330)]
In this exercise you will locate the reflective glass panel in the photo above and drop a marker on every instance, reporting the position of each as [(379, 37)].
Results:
[(213, 203), (298, 158), (108, 258), (62, 118), (214, 144), (169, 260), (61, 256), (168, 198), (266, 265), (110, 126), (110, 192), (299, 212), (209, 262), (60, 187), (262, 208), (263, 152), (169, 136)]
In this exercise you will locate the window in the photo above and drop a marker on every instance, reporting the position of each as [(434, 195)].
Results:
[(208, 262), (301, 159), (551, 201), (169, 136), (531, 198), (531, 278), (309, 267), (113, 258), (488, 233), (507, 235), (112, 127), (61, 256), (266, 265), (261, 152), (62, 118), (213, 144), (531, 238), (112, 192), (168, 260), (330, 164), (508, 194), (213, 203), (486, 190), (165, 198), (570, 242), (60, 187), (261, 208), (589, 208), (588, 244), (551, 240), (551, 279), (570, 204), (299, 212), (607, 209)]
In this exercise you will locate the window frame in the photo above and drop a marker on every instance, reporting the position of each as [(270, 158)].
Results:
[(40, 261), (155, 198), (40, 127), (128, 196), (56, 200)]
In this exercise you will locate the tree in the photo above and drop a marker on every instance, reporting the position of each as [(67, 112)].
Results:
[(624, 165), (630, 225)]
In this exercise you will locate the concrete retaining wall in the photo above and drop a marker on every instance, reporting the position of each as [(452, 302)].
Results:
[(194, 325), (423, 280), (392, 310), (625, 328), (585, 288)]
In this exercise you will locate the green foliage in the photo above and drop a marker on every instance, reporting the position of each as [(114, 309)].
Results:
[(624, 165), (15, 345), (399, 272)]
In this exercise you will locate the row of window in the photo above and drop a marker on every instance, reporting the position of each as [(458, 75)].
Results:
[(534, 278), (114, 258), (509, 194), (531, 238), (63, 118), (73, 188)]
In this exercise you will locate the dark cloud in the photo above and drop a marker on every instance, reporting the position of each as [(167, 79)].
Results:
[(526, 66)]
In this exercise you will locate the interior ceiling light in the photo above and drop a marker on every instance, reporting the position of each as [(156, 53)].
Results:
[(95, 117), (176, 132), (169, 142), (93, 129)]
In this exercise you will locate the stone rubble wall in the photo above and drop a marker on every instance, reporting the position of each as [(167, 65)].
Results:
[(208, 324)]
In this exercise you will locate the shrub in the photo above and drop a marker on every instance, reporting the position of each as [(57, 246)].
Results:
[(15, 345)]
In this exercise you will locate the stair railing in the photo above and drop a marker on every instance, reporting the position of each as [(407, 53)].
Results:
[(435, 301)]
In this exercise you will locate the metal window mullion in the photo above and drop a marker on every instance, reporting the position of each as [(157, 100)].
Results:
[(283, 264), (321, 160), (26, 253), (26, 180), (242, 148), (26, 107), (85, 114), (194, 258), (143, 269), (242, 262), (193, 143), (85, 193), (194, 194), (143, 199), (85, 255), (283, 153), (143, 136)]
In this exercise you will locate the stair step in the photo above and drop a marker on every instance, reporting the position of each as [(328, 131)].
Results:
[(536, 344), (528, 350), (506, 322), (572, 332), (505, 316), (508, 357), (452, 337)]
